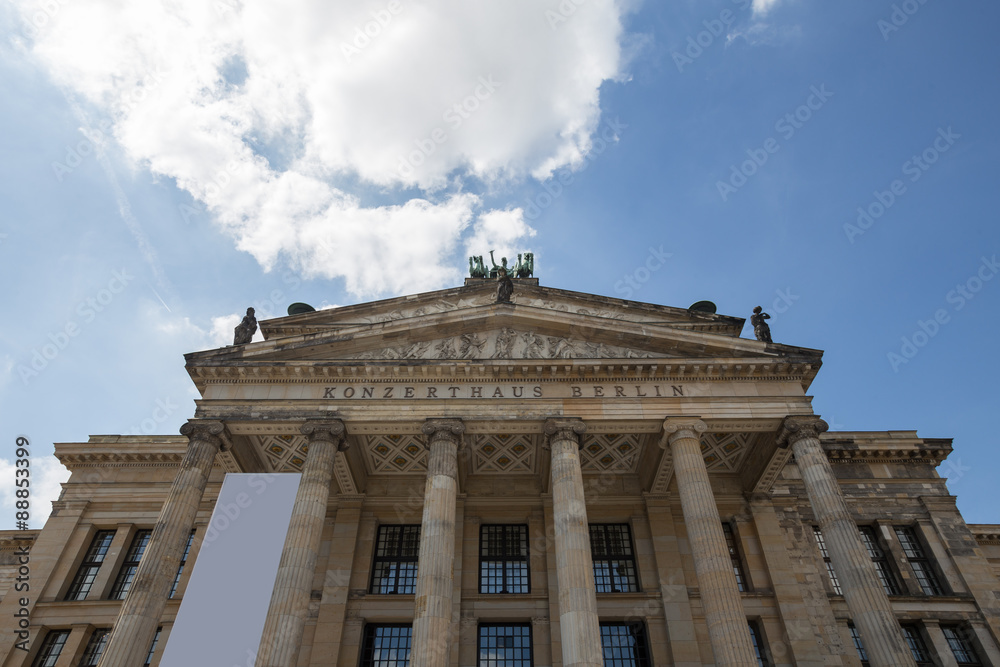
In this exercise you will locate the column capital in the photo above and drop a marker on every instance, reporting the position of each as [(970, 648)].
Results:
[(565, 429), (796, 427), (443, 429), (207, 430), (682, 427), (326, 430)]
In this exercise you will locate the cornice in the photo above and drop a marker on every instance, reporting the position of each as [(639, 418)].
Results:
[(986, 534), (905, 453)]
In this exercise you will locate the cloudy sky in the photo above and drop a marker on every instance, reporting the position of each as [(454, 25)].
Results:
[(167, 164)]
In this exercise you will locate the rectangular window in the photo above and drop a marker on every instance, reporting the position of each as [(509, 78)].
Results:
[(734, 555), (85, 576), (624, 645), (125, 575), (821, 543), (856, 638), (386, 646), (180, 569), (917, 557), (961, 644), (915, 640), (882, 567), (614, 558), (503, 559), (152, 648), (504, 645), (95, 648), (395, 568), (51, 649), (758, 644)]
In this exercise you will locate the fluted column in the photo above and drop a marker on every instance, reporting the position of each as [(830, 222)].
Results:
[(286, 615), (720, 595), (432, 635), (140, 612), (865, 597), (579, 628)]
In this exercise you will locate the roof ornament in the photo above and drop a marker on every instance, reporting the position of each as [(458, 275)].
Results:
[(524, 268), (244, 331), (760, 328)]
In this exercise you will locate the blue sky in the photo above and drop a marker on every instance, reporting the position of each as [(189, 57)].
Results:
[(163, 168)]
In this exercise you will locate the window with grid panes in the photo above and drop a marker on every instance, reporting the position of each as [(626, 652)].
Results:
[(152, 648), (503, 645), (180, 568), (48, 654), (961, 645), (125, 575), (915, 640), (758, 644), (821, 543), (882, 567), (95, 648), (858, 646), (734, 556), (85, 576), (503, 559), (614, 558), (917, 558), (386, 646), (625, 645), (394, 570)]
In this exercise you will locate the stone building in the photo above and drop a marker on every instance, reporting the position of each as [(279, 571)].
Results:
[(565, 480)]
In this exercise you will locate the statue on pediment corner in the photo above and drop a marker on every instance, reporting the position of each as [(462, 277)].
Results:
[(760, 328), (244, 331)]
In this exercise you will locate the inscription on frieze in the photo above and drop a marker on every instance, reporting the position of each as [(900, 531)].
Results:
[(501, 390)]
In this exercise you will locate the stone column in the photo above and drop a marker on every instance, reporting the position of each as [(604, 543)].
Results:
[(579, 628), (720, 596), (432, 622), (140, 613), (286, 615), (869, 605)]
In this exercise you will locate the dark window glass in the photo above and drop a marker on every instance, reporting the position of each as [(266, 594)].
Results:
[(125, 575), (395, 566), (917, 646), (917, 557), (882, 567), (504, 645), (503, 559), (95, 648), (614, 558), (625, 645), (821, 543), (856, 638), (386, 646), (152, 648), (758, 644), (85, 576), (180, 569), (961, 645), (51, 649), (734, 555)]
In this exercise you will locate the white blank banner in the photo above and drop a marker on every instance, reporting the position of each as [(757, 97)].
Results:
[(222, 614)]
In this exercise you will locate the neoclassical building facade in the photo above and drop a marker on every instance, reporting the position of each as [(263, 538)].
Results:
[(566, 480)]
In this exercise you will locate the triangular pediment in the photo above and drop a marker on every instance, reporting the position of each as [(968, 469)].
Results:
[(466, 325)]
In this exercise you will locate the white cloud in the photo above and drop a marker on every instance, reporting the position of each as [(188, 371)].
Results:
[(762, 7), (47, 475), (499, 230), (260, 110)]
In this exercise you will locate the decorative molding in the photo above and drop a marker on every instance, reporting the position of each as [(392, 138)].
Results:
[(917, 454), (664, 472), (121, 459), (342, 473), (779, 458)]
